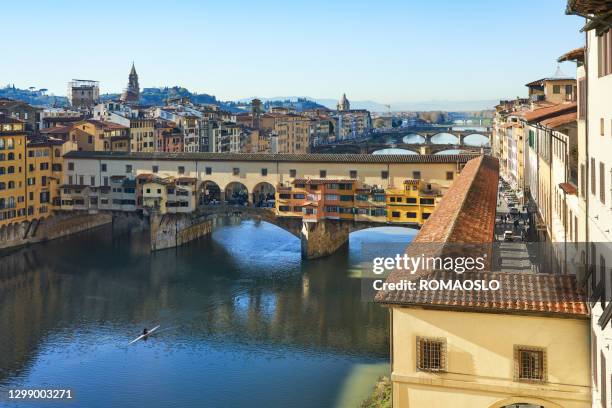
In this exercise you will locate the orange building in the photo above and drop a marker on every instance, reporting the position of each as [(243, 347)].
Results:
[(315, 199)]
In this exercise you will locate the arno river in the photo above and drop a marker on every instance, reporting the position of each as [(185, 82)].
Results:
[(243, 321)]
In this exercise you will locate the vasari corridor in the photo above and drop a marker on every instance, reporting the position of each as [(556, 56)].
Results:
[(306, 204)]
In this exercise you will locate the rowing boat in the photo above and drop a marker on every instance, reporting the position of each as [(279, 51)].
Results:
[(142, 336)]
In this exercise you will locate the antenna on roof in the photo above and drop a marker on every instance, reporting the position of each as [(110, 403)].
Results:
[(558, 73)]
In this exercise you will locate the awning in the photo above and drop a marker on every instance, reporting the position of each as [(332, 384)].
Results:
[(568, 188)]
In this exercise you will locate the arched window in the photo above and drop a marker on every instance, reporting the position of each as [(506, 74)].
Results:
[(11, 184), (2, 170), (10, 144), (11, 156), (10, 169), (58, 153)]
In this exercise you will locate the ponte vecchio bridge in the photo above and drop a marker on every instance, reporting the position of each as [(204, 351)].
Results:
[(256, 173)]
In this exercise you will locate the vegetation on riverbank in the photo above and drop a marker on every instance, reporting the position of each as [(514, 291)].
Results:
[(381, 395)]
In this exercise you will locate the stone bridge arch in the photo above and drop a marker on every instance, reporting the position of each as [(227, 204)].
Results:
[(263, 194), (236, 192), (414, 135), (474, 135), (209, 192), (437, 136)]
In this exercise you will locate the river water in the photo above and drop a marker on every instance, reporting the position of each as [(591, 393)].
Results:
[(244, 322)]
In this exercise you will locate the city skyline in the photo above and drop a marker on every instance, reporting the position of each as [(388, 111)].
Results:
[(273, 49)]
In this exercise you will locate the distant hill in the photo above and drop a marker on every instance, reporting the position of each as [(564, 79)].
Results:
[(148, 96), (35, 97), (299, 104), (372, 106), (159, 96)]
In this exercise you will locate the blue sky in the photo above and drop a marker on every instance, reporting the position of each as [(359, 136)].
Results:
[(387, 51)]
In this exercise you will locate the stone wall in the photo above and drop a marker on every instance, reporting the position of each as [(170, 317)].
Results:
[(172, 230), (52, 227), (323, 238)]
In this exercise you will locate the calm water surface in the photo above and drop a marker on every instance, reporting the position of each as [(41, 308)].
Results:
[(244, 322)]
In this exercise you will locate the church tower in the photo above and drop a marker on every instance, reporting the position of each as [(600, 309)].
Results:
[(344, 104), (131, 95)]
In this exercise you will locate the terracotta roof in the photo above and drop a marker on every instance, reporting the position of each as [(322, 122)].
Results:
[(105, 124), (540, 114), (464, 221), (279, 157), (540, 82), (560, 120), (576, 54), (56, 129)]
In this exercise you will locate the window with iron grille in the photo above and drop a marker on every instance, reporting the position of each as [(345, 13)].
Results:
[(431, 354), (529, 363)]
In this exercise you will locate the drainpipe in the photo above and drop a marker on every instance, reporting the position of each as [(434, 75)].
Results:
[(586, 131)]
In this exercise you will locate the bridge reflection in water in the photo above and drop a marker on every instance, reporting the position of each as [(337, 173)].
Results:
[(244, 322)]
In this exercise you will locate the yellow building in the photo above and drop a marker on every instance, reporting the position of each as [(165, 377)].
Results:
[(44, 167), (412, 204), (168, 195), (525, 344), (293, 133), (557, 89), (12, 155), (97, 135), (30, 172), (142, 134)]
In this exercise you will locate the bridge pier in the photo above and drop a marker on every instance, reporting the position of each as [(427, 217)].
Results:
[(323, 238)]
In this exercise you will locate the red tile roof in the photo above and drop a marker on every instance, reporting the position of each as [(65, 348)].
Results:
[(540, 114), (560, 120), (464, 224), (56, 129)]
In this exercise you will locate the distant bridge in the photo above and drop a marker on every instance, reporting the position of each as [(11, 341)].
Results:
[(393, 138), (369, 147)]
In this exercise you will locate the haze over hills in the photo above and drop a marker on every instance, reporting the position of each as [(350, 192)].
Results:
[(158, 96), (373, 106)]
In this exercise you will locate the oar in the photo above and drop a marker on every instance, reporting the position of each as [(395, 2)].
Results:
[(142, 336)]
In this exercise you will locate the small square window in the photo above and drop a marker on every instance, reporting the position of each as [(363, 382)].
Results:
[(264, 172), (236, 171), (431, 354), (103, 167), (181, 169), (384, 175), (529, 363), (292, 173), (128, 168), (416, 175), (450, 175), (353, 174), (155, 169), (70, 166), (322, 173), (208, 170)]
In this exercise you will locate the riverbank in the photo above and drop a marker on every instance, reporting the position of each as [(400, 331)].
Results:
[(381, 395)]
